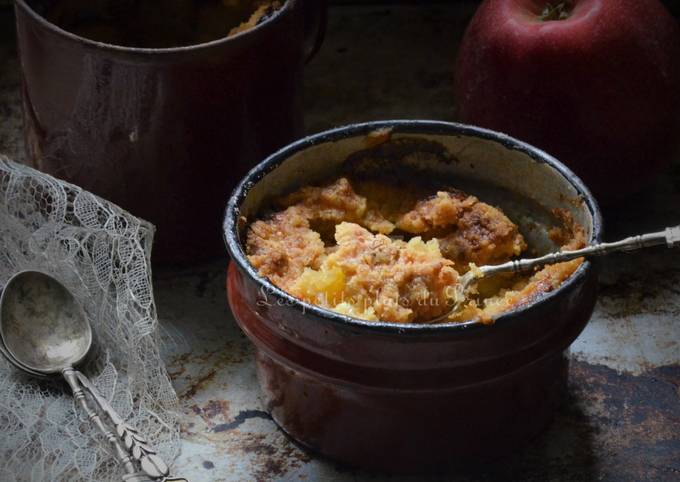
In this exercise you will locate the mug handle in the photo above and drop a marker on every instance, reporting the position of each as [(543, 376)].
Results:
[(315, 18)]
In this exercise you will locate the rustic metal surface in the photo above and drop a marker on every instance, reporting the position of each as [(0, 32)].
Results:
[(621, 416)]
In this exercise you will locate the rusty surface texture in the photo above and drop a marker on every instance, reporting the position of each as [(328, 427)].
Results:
[(620, 419)]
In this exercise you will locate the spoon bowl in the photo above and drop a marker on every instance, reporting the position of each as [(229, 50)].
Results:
[(44, 332), (42, 325)]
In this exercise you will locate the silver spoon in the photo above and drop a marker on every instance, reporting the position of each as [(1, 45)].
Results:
[(45, 332), (669, 237)]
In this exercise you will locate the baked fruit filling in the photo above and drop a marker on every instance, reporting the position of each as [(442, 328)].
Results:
[(379, 252), (263, 11)]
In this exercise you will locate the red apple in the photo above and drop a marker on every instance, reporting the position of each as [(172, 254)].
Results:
[(596, 83)]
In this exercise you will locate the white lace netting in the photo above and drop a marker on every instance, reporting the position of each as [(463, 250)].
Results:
[(102, 254)]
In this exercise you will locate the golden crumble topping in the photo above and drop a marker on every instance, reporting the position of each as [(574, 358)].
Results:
[(481, 234), (379, 252), (374, 277)]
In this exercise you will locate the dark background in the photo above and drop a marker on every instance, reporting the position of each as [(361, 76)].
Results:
[(380, 62)]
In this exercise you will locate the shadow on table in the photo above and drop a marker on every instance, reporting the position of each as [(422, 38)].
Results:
[(565, 452)]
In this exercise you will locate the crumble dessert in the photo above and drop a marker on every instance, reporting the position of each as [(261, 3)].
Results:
[(379, 252), (263, 11)]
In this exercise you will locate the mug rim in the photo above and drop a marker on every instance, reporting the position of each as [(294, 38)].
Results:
[(424, 127), (287, 5)]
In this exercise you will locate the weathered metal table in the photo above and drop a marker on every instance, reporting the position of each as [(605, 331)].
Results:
[(621, 420)]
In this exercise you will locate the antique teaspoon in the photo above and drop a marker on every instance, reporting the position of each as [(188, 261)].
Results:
[(669, 237), (45, 332)]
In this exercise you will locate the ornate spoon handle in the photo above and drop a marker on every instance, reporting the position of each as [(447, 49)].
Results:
[(136, 444), (669, 237), (122, 455)]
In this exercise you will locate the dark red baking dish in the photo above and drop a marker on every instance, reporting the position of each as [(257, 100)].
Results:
[(406, 398)]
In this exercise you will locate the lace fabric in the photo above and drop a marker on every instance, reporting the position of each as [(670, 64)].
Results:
[(102, 254)]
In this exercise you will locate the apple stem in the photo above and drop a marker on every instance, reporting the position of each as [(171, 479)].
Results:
[(558, 11)]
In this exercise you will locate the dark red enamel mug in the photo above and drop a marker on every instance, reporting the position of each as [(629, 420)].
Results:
[(164, 132), (409, 398)]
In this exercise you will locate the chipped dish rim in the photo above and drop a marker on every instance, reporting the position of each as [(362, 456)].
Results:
[(424, 127), (179, 49)]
